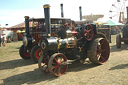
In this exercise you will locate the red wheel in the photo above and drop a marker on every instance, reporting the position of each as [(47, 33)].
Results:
[(24, 53), (118, 40), (99, 51), (35, 53), (38, 53), (43, 63), (88, 32), (56, 66)]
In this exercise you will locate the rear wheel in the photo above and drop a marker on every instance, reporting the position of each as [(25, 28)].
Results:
[(99, 51), (35, 53), (118, 40), (24, 53)]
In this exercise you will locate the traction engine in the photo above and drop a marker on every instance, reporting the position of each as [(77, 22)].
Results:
[(35, 31), (125, 35), (71, 45)]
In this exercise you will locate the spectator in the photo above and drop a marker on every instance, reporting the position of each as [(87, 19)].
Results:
[(3, 38)]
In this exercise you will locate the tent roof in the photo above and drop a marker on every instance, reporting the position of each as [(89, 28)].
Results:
[(113, 23), (21, 25)]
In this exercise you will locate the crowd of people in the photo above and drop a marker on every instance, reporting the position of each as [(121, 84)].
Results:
[(2, 40)]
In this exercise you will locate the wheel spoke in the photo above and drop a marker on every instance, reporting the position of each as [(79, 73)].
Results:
[(89, 34), (85, 34), (87, 27), (89, 30), (85, 30), (61, 60), (54, 67), (56, 61), (53, 63), (54, 70), (59, 69), (102, 57), (104, 50)]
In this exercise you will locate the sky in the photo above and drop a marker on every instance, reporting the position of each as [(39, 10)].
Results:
[(12, 12)]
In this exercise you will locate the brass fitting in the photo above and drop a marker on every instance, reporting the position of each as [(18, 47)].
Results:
[(46, 6)]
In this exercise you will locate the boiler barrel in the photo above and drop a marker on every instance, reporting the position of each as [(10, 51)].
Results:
[(54, 42)]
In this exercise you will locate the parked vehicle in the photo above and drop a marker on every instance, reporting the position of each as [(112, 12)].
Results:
[(125, 34), (35, 31), (71, 45)]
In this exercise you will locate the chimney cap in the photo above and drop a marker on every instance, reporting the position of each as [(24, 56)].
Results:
[(46, 6), (26, 17)]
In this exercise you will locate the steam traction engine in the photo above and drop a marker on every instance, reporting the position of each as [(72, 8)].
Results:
[(125, 34), (70, 45), (35, 31)]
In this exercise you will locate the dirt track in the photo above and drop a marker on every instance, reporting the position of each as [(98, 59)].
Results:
[(16, 71)]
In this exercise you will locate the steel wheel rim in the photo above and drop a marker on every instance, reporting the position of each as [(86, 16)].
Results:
[(102, 51), (88, 32), (57, 68), (38, 53)]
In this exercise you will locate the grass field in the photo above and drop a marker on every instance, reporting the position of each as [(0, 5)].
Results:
[(16, 71)]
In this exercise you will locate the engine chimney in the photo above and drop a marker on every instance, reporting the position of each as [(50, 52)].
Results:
[(62, 13), (127, 15), (80, 13), (27, 24), (47, 19)]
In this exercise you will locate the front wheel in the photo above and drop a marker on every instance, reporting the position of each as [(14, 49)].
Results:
[(24, 52), (55, 64), (118, 41), (35, 53), (43, 63)]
